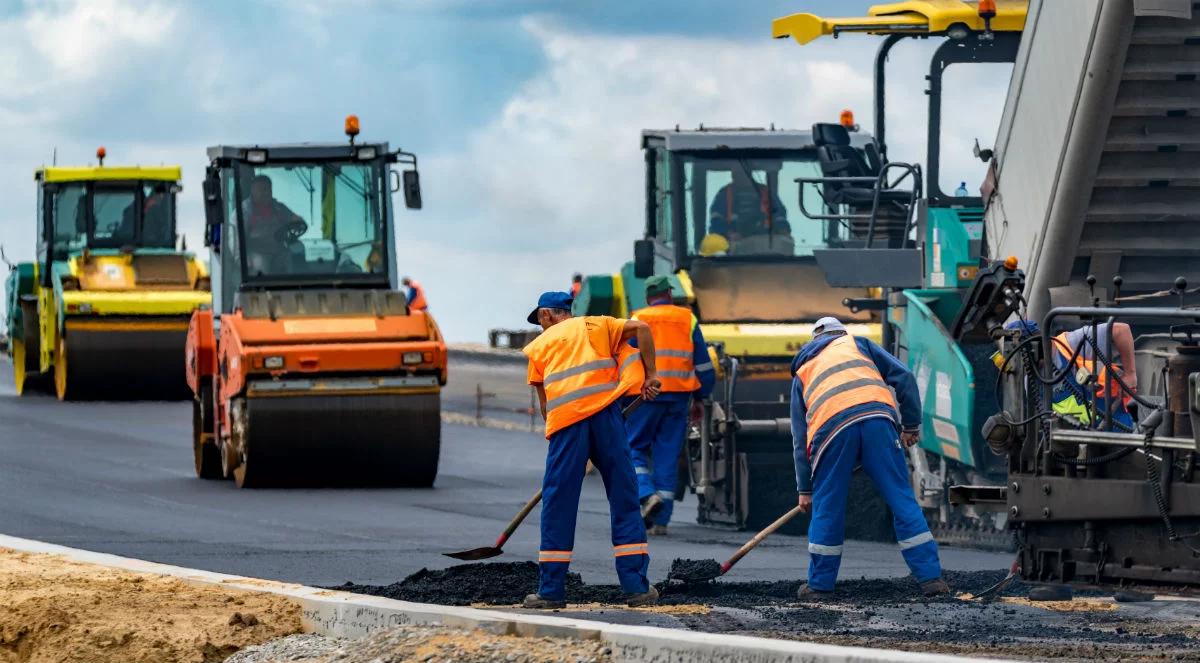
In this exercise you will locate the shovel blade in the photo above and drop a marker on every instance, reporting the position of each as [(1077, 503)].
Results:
[(477, 553)]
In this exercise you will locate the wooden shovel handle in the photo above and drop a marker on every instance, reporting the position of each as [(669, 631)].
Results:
[(758, 538), (525, 510)]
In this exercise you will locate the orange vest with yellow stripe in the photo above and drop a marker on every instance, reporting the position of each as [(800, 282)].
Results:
[(1085, 367), (579, 371), (672, 327), (840, 377)]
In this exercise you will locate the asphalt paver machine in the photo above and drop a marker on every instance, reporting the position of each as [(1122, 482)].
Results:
[(311, 368)]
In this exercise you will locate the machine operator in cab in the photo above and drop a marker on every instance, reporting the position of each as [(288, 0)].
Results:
[(844, 413), (272, 230), (580, 367), (658, 430), (749, 217)]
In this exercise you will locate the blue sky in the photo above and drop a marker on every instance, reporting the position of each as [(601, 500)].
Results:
[(525, 114)]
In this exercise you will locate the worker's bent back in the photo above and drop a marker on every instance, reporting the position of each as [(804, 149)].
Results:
[(840, 377), (575, 362), (671, 327)]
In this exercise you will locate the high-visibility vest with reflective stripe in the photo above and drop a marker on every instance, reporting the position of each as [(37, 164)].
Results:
[(633, 373), (579, 371), (418, 302), (840, 377), (672, 327), (1086, 367)]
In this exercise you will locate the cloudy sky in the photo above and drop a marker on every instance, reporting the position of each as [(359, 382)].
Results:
[(525, 113)]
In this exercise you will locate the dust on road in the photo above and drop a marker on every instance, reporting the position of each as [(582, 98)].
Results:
[(56, 610)]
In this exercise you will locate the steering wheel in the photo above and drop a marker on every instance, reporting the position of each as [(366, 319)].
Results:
[(291, 231)]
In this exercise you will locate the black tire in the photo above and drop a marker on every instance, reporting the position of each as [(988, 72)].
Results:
[(206, 454)]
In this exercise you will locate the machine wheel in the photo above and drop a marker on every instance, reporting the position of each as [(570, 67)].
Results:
[(206, 454), (244, 475), (66, 384)]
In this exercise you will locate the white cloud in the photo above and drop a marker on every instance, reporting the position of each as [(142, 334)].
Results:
[(554, 184), (78, 39)]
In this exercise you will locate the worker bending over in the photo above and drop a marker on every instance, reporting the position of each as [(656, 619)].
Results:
[(658, 430), (416, 294), (1073, 395), (575, 364), (843, 414)]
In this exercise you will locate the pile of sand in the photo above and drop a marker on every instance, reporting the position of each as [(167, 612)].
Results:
[(53, 609)]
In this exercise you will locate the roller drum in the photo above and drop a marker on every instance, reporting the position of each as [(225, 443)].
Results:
[(390, 439), (127, 363)]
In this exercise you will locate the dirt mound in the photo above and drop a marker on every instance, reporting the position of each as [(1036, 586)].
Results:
[(56, 610)]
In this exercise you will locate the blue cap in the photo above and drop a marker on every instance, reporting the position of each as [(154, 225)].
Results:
[(552, 299)]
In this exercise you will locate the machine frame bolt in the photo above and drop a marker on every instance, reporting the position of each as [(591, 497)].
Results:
[(1015, 511), (1016, 488), (1046, 512), (1045, 489)]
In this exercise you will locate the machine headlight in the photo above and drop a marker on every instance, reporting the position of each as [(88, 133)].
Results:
[(256, 156), (367, 153), (273, 362), (412, 357)]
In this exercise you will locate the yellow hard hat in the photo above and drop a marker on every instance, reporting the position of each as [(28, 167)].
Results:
[(712, 244)]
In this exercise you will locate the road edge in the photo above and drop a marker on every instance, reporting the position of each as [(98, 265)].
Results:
[(346, 615)]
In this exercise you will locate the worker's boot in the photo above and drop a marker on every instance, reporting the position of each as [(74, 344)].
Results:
[(657, 530), (536, 602), (935, 587), (807, 593), (649, 597), (650, 507)]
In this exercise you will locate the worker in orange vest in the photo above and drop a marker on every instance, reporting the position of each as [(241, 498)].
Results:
[(576, 285), (416, 294), (844, 414), (658, 430), (575, 365)]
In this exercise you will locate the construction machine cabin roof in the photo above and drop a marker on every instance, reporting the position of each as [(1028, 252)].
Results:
[(736, 139), (298, 151), (919, 17), (108, 173)]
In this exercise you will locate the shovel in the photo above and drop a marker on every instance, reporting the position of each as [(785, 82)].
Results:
[(497, 548), (991, 592), (703, 571)]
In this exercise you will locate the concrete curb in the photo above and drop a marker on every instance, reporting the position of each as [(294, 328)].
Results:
[(347, 615)]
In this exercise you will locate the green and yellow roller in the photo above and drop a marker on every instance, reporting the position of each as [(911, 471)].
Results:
[(103, 311)]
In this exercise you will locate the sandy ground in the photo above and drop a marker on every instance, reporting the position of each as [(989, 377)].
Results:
[(53, 609)]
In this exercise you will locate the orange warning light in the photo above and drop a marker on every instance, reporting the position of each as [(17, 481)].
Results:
[(846, 119), (1010, 263), (987, 9), (352, 125), (101, 153)]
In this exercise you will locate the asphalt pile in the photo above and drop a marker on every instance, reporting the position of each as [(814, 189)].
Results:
[(889, 613)]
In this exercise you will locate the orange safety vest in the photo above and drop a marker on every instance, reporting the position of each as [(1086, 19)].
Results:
[(575, 288), (840, 377), (1085, 367), (633, 373), (672, 327), (418, 302), (579, 372)]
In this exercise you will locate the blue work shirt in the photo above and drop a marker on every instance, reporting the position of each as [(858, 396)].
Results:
[(701, 363), (895, 374)]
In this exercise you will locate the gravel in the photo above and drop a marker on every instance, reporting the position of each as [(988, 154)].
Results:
[(426, 644)]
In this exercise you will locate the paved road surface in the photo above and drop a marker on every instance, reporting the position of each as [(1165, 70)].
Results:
[(117, 477)]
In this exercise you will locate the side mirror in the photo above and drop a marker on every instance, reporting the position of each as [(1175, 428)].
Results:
[(412, 189), (214, 209), (643, 258)]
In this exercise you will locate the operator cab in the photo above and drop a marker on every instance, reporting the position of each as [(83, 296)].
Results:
[(304, 216), (724, 204), (108, 209)]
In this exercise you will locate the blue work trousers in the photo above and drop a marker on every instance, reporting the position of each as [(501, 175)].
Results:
[(874, 443), (601, 438), (657, 431)]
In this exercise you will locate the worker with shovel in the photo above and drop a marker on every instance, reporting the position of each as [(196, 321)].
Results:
[(657, 431), (844, 413), (575, 367)]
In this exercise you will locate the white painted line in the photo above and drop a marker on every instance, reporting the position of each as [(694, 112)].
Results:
[(347, 615)]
